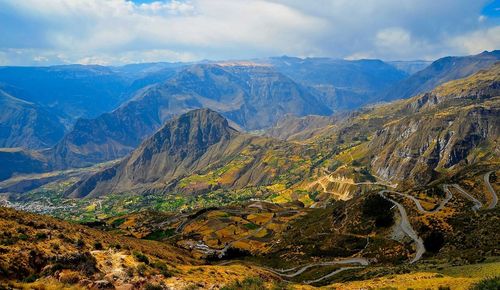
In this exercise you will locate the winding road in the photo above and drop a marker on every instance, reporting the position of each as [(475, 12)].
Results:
[(477, 204), (301, 269), (406, 226), (330, 274), (494, 196)]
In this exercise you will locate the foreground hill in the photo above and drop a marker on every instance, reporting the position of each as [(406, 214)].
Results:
[(39, 252)]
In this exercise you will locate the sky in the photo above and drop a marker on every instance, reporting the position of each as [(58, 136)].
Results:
[(114, 32)]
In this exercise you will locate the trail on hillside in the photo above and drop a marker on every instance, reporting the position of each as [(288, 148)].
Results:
[(406, 226), (494, 195)]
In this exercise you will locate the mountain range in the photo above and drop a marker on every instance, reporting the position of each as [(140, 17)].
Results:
[(258, 175), (408, 141)]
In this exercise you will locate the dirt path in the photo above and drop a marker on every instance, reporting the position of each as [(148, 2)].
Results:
[(477, 204), (407, 228), (494, 196)]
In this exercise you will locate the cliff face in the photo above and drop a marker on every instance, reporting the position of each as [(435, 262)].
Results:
[(440, 129), (18, 161)]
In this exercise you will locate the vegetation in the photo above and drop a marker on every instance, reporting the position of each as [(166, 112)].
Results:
[(379, 209), (487, 284)]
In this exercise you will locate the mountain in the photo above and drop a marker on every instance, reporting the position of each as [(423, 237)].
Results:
[(25, 124), (410, 66), (301, 128), (251, 97), (448, 126), (18, 161), (200, 142), (76, 91), (177, 148), (400, 194), (73, 90), (442, 70), (415, 141), (341, 84)]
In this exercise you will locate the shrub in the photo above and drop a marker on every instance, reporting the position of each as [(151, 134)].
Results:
[(434, 241), (69, 277), (162, 268), (98, 246), (80, 243), (492, 283), (251, 283), (141, 257), (378, 208), (151, 286), (81, 262), (41, 236), (30, 279)]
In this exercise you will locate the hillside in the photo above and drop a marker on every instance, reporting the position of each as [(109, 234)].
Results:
[(21, 161), (340, 84), (455, 123), (39, 252), (440, 71), (25, 124), (198, 152), (250, 97)]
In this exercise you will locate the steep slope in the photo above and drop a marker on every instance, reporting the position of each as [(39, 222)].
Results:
[(16, 160), (300, 128), (250, 97), (199, 152), (441, 71), (341, 84), (415, 141), (73, 90), (24, 124), (450, 125)]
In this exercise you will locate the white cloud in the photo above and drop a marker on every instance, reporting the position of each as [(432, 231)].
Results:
[(477, 41), (109, 31)]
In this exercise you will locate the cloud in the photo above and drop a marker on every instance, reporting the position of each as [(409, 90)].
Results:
[(120, 31), (477, 41)]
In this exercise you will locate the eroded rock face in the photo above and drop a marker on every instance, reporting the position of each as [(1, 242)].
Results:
[(252, 97), (174, 150), (440, 129)]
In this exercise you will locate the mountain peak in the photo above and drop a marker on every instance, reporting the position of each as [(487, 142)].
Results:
[(174, 150)]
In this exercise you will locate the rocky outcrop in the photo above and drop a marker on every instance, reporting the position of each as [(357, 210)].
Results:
[(184, 144), (440, 129)]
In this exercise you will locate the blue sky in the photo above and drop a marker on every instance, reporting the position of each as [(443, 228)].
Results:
[(44, 32)]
